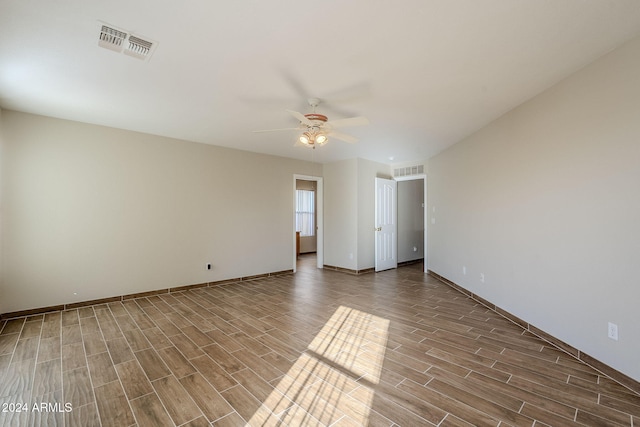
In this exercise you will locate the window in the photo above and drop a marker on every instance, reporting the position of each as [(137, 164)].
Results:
[(305, 212)]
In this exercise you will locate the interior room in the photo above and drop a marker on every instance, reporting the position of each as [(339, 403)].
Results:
[(279, 213)]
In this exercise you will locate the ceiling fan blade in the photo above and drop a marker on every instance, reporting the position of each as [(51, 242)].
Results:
[(274, 130), (343, 137), (295, 84), (349, 94), (353, 121), (300, 117)]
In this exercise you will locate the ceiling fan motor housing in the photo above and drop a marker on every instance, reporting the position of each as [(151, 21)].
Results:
[(316, 116)]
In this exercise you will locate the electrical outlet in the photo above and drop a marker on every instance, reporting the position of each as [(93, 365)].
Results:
[(613, 331)]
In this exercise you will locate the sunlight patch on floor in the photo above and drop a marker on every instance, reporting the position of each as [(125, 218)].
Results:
[(321, 388)]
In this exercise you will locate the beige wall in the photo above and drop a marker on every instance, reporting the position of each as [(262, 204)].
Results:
[(367, 173), (350, 211), (545, 203), (92, 212), (2, 185), (340, 214)]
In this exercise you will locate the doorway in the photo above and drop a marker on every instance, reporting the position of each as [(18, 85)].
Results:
[(412, 219), (306, 216), (312, 240)]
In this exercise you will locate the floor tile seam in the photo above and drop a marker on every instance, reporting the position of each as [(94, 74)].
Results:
[(276, 351), (636, 413), (193, 419), (295, 405), (13, 351), (133, 412), (113, 364), (273, 390), (490, 391), (61, 369), (263, 378), (326, 403), (603, 419), (124, 390), (514, 345), (396, 401), (168, 336), (295, 382), (245, 389), (228, 415), (220, 391), (630, 414), (573, 417), (547, 378), (496, 408), (573, 404), (546, 396), (568, 377), (530, 359), (474, 368), (186, 394), (11, 361), (411, 357), (429, 404)]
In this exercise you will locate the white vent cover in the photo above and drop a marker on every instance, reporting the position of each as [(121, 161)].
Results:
[(409, 171), (118, 40), (138, 47), (111, 38)]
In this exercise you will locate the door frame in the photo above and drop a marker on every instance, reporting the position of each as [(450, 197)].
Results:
[(319, 216), (425, 210)]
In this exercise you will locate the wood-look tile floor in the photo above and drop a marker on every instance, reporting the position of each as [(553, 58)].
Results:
[(314, 348)]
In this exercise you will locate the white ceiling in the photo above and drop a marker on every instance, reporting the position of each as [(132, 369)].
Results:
[(426, 73)]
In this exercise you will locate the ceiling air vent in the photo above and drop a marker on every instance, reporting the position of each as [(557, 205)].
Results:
[(122, 41), (409, 171), (138, 48), (111, 38)]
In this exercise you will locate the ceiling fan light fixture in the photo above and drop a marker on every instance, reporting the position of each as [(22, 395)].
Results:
[(315, 128), (306, 138)]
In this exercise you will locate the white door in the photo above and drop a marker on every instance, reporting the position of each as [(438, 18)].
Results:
[(386, 225)]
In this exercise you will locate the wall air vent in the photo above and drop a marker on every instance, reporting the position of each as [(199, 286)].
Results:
[(122, 41), (409, 171)]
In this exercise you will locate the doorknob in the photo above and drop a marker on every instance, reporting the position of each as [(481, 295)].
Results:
[(378, 229)]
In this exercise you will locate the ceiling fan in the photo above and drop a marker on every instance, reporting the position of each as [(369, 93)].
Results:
[(316, 128)]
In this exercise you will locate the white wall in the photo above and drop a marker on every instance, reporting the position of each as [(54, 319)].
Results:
[(98, 212), (545, 203)]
